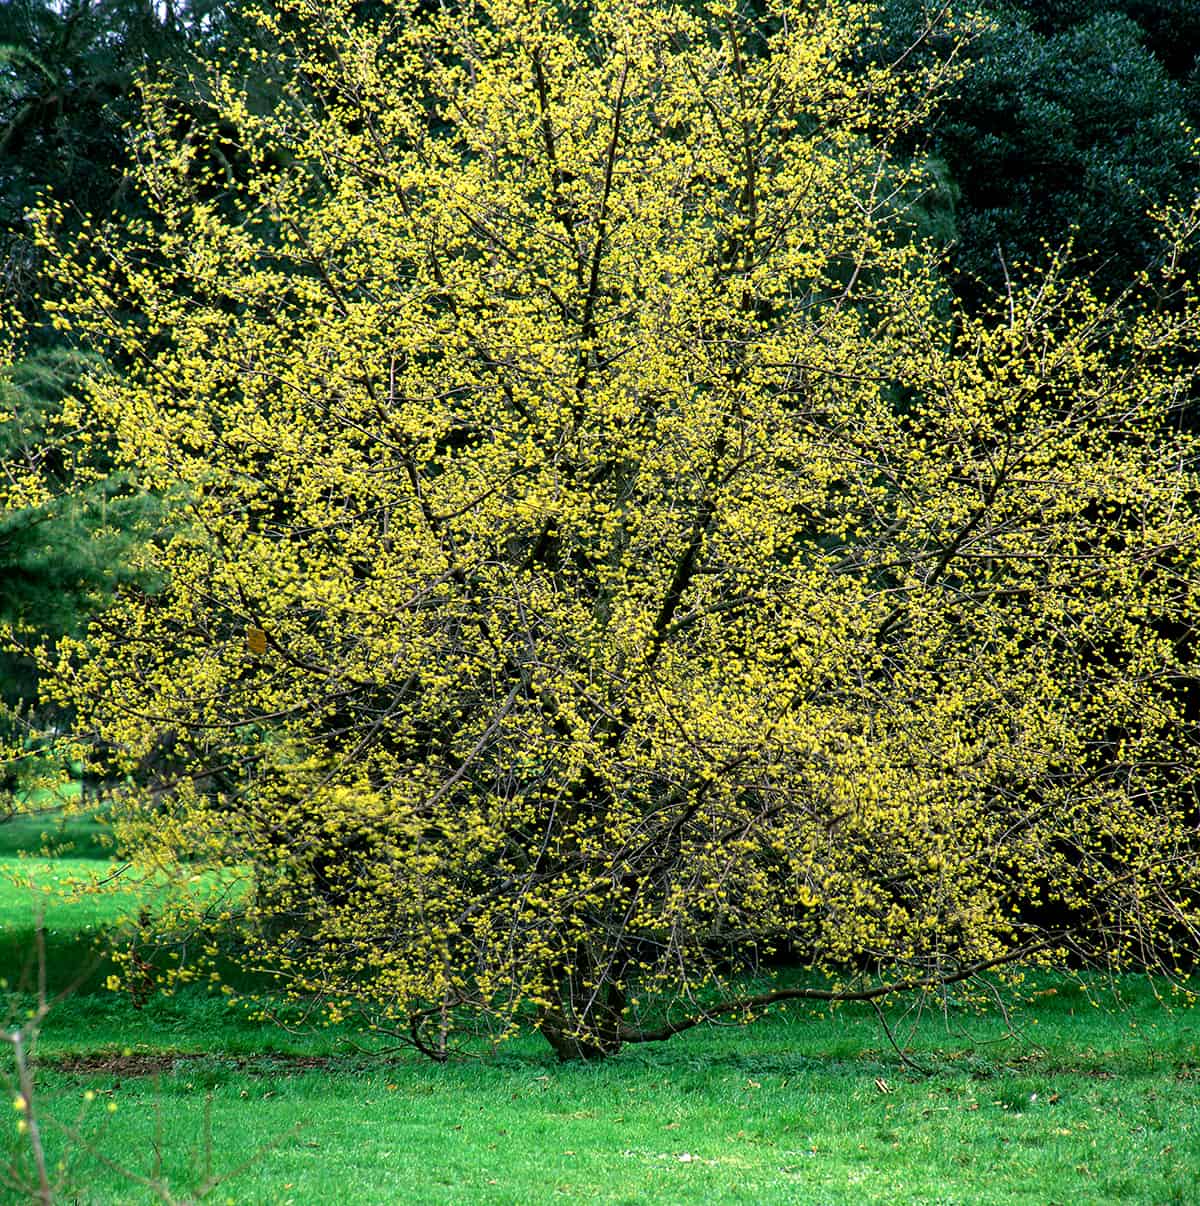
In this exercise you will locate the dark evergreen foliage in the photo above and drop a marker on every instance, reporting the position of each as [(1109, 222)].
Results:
[(1075, 119)]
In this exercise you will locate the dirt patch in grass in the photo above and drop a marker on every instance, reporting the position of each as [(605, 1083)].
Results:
[(155, 1063)]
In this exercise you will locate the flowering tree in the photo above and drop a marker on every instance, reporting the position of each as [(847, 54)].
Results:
[(601, 556)]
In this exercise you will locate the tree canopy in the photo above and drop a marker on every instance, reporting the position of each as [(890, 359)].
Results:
[(602, 557)]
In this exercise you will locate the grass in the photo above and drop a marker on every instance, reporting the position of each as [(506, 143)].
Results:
[(1093, 1095), (80, 903), (52, 826), (61, 870), (1099, 1105), (46, 858)]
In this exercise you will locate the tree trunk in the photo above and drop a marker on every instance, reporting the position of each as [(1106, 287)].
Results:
[(584, 1028)]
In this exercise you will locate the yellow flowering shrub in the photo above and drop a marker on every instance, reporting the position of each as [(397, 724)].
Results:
[(602, 557)]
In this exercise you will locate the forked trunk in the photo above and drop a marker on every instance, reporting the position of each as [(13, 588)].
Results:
[(584, 1026)]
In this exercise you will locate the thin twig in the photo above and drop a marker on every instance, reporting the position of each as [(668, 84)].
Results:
[(904, 1059)]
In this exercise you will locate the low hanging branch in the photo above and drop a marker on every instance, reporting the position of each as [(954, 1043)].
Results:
[(760, 1001)]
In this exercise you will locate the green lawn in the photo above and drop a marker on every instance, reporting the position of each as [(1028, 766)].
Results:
[(1096, 1105), (80, 902), (1096, 1098), (52, 824)]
